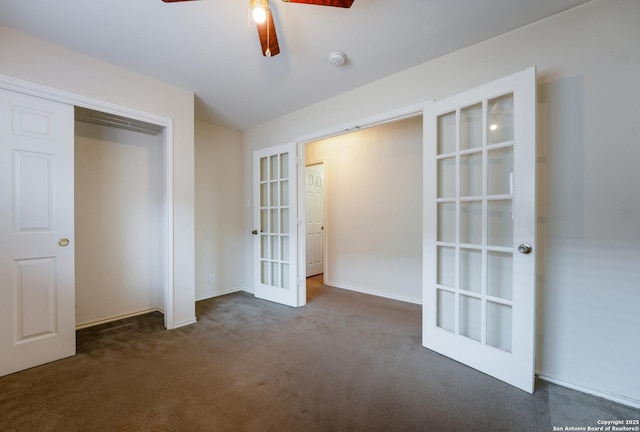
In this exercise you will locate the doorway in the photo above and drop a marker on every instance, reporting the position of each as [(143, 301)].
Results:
[(372, 181), (119, 195)]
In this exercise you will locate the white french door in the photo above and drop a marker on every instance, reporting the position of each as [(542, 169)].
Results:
[(275, 221), (314, 179), (479, 228), (37, 303)]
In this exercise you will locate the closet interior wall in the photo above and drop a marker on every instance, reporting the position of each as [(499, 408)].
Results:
[(119, 194)]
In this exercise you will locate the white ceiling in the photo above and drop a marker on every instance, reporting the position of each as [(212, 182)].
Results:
[(208, 46)]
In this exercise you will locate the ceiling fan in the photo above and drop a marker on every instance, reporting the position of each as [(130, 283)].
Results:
[(264, 20)]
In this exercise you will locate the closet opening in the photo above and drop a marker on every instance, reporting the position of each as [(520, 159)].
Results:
[(121, 217)]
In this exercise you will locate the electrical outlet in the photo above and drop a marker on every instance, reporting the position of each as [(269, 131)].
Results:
[(212, 278)]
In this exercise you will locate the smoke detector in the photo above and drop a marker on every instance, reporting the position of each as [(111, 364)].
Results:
[(337, 58)]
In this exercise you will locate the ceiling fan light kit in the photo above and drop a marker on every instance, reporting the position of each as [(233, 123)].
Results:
[(259, 14), (267, 30)]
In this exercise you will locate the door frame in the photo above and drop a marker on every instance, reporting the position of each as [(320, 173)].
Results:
[(57, 95), (301, 142)]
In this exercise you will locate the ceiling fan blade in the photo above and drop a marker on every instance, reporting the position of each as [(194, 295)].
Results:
[(334, 3), (269, 41)]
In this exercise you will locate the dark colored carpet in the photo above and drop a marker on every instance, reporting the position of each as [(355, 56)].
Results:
[(344, 362)]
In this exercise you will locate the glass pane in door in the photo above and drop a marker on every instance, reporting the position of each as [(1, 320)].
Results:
[(284, 166), (446, 310), (471, 174), (500, 119), (275, 249), (447, 218), (284, 192), (447, 133), (284, 220), (264, 272), (499, 326), (447, 177), (275, 274), (500, 274), (273, 218), (264, 169), (273, 167), (470, 317), (264, 195), (264, 220), (284, 271), (471, 222), (446, 266), (471, 270), (500, 222), (500, 171), (471, 127), (285, 249), (273, 194)]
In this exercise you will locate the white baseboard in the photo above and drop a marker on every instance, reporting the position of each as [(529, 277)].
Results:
[(117, 317), (373, 293), (220, 293), (183, 323), (592, 391)]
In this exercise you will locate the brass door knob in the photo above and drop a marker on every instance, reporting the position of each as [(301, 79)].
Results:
[(63, 242)]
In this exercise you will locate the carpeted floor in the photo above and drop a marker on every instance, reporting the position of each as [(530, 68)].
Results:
[(344, 362)]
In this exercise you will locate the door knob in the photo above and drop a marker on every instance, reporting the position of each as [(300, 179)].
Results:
[(254, 232), (63, 242), (525, 248)]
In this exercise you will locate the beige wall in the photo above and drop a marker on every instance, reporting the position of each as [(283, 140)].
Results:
[(34, 60), (119, 196), (219, 231), (588, 61), (373, 194)]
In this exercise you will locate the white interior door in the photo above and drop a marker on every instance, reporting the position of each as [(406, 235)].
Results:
[(276, 224), (314, 181), (479, 232), (37, 312)]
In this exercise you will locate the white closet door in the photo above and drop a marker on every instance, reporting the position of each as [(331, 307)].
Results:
[(37, 304)]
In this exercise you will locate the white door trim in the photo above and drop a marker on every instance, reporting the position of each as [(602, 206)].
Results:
[(376, 120), (38, 90)]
